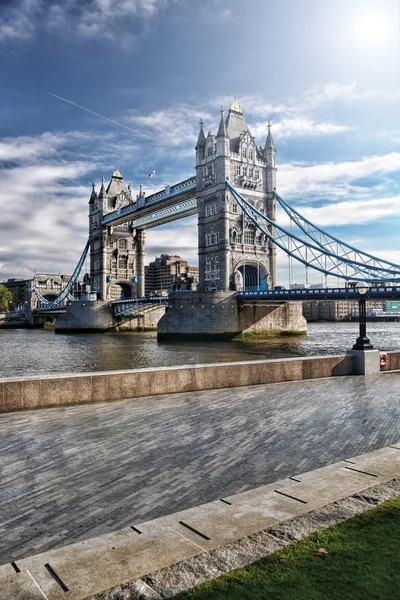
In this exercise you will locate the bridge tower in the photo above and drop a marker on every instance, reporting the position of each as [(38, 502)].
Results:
[(116, 253), (231, 250)]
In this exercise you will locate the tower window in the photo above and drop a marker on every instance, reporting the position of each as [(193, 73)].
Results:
[(245, 171), (123, 244), (237, 169), (244, 153), (257, 174), (212, 239), (234, 207), (122, 262), (249, 237), (209, 170), (251, 154), (210, 151)]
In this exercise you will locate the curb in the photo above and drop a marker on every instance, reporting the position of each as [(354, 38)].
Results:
[(160, 558)]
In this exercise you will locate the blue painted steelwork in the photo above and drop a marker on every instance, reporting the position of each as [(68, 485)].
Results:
[(169, 192), (374, 293), (326, 240), (313, 255), (181, 209), (65, 293)]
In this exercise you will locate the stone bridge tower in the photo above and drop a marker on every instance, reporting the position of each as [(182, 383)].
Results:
[(116, 253), (231, 249)]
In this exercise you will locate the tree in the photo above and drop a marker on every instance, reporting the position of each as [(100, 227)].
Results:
[(5, 297)]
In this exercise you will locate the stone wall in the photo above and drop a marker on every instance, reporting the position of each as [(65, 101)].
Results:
[(280, 316), (221, 315), (33, 392), (200, 314), (151, 316), (86, 316)]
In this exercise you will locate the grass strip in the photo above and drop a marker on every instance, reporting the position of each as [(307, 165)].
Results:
[(362, 563)]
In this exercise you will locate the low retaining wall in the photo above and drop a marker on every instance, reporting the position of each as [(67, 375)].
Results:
[(78, 388)]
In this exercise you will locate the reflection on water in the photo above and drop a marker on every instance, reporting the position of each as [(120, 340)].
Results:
[(28, 352)]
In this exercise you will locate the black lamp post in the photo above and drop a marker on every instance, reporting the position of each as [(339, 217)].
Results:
[(362, 342)]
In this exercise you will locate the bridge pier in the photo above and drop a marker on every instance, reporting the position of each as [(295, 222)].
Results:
[(222, 315)]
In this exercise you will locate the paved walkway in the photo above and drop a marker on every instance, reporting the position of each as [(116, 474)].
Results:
[(71, 473)]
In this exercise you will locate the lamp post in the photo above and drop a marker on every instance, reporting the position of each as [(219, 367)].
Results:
[(362, 342)]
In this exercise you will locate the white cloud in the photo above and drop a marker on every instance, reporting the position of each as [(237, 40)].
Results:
[(352, 212), (23, 19), (175, 126), (32, 147), (333, 179), (329, 92), (297, 126), (18, 22)]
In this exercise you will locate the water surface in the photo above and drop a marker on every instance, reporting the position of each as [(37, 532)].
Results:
[(37, 351)]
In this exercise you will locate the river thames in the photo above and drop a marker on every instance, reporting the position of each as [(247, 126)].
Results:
[(36, 351)]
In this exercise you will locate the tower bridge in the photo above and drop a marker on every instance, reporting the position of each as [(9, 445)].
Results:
[(230, 247), (234, 193)]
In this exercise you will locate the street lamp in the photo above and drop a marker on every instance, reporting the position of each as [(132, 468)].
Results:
[(362, 342)]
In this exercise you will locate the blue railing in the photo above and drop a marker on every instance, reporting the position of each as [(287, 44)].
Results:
[(322, 293)]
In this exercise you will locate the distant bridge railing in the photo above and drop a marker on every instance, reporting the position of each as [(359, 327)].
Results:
[(374, 293), (169, 192)]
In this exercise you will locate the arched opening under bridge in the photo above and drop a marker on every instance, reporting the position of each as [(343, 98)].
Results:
[(120, 290), (251, 277)]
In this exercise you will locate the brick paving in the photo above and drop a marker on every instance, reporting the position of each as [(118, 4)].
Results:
[(74, 472)]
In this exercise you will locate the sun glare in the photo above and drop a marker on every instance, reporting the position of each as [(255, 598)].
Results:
[(374, 27)]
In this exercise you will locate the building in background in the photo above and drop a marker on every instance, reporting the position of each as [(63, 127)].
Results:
[(347, 310), (170, 273), (48, 285)]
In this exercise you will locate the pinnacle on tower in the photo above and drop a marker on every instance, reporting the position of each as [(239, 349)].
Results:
[(93, 196), (269, 143), (222, 130), (102, 189), (117, 174), (201, 140), (235, 106)]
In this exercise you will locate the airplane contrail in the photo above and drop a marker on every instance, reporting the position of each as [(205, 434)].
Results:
[(103, 117)]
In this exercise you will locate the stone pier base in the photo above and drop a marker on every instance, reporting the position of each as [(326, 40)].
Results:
[(222, 315)]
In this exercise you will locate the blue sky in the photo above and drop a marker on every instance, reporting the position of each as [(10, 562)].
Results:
[(325, 73)]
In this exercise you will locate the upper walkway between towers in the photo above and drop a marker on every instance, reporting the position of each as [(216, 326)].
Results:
[(175, 201)]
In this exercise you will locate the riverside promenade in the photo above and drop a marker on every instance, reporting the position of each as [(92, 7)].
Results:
[(74, 472)]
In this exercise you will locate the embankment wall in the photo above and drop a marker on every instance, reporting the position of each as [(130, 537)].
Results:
[(58, 390)]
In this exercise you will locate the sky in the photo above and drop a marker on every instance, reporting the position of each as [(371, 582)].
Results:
[(326, 74)]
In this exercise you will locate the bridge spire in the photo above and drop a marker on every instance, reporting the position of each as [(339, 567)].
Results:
[(93, 196), (201, 140), (102, 189), (222, 130), (269, 142)]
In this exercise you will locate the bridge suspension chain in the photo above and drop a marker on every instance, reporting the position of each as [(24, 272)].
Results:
[(315, 254), (337, 246), (65, 293)]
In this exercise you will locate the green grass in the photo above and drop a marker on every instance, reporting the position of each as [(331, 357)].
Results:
[(363, 563)]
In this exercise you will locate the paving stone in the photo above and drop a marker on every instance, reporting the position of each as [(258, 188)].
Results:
[(71, 473)]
